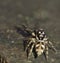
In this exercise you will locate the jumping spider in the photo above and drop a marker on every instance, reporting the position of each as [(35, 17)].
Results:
[(37, 43)]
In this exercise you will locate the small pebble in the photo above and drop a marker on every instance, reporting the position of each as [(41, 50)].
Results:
[(12, 41)]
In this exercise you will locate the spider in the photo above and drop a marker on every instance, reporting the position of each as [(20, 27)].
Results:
[(38, 44)]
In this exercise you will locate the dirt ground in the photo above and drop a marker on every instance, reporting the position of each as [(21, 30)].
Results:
[(34, 14)]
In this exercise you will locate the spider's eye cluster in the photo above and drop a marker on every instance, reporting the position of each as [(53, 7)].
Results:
[(41, 31), (41, 34)]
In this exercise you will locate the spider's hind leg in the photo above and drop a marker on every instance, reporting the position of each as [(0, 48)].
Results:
[(46, 53), (29, 50), (51, 46)]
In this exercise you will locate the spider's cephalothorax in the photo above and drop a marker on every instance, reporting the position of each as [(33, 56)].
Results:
[(3, 59), (38, 44), (40, 34)]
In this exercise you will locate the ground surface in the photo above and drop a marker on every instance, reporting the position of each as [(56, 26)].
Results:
[(35, 14)]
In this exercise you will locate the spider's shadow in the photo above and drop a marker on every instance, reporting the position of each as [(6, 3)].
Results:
[(25, 33), (22, 31)]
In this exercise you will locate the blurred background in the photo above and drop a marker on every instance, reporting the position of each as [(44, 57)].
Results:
[(34, 14)]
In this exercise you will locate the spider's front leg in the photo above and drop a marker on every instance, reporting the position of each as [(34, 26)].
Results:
[(30, 46), (51, 46), (31, 50), (26, 29)]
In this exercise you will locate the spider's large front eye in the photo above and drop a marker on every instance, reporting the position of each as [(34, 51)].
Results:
[(39, 32)]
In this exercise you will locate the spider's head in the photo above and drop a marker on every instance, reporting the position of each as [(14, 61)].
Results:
[(40, 31), (41, 34)]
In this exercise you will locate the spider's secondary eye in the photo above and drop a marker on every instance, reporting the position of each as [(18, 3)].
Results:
[(43, 33)]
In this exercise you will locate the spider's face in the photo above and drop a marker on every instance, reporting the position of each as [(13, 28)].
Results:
[(41, 34)]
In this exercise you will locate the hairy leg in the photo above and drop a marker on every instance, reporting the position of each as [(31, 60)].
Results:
[(30, 51), (46, 53), (28, 45), (51, 46)]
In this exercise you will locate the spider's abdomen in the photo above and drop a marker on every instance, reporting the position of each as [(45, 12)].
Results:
[(39, 47)]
